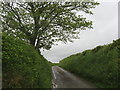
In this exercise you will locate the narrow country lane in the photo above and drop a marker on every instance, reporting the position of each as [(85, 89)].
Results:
[(65, 79)]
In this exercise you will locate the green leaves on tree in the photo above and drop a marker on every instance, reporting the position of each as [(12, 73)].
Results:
[(42, 24)]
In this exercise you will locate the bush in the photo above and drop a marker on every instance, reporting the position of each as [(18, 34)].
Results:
[(23, 66), (99, 65)]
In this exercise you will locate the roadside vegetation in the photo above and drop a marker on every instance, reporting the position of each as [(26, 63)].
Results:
[(53, 64), (99, 65), (38, 25), (23, 66)]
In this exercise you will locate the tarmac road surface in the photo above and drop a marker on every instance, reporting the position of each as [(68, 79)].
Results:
[(64, 79)]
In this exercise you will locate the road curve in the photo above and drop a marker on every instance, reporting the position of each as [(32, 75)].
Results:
[(64, 79)]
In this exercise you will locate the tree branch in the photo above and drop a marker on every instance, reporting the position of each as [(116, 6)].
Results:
[(18, 18)]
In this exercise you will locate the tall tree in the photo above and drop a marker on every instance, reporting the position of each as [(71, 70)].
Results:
[(42, 24)]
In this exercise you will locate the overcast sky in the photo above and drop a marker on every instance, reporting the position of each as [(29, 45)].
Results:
[(105, 30)]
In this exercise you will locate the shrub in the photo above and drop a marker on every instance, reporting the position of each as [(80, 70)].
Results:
[(99, 65), (23, 66)]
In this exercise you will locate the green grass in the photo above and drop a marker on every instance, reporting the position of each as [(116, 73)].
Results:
[(23, 66), (99, 65)]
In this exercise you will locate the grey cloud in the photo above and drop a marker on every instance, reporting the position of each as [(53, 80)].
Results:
[(105, 30)]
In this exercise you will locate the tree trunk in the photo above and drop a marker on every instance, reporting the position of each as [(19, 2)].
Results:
[(32, 41)]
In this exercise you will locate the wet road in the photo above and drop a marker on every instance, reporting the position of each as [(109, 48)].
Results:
[(65, 79)]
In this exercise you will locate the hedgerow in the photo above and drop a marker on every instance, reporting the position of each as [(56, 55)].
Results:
[(99, 65), (23, 66)]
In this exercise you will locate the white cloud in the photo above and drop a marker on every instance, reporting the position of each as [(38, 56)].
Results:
[(107, 0)]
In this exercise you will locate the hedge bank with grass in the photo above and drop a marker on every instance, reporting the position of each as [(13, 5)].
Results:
[(23, 66), (99, 65)]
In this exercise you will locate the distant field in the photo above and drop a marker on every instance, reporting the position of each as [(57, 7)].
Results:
[(99, 65)]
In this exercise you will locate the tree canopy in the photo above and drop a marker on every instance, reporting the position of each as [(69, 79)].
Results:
[(42, 24)]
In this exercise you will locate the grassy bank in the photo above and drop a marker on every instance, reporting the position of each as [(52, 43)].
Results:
[(99, 65), (23, 66)]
